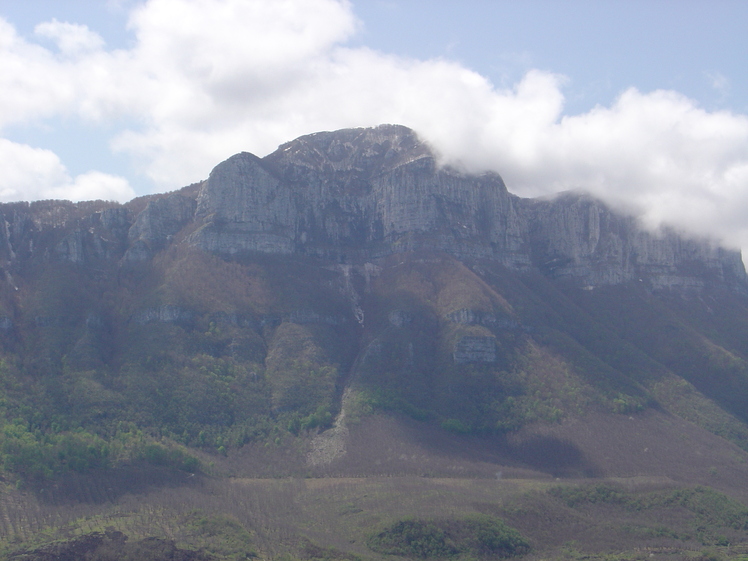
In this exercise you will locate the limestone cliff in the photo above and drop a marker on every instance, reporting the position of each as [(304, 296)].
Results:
[(575, 236), (356, 195), (157, 223)]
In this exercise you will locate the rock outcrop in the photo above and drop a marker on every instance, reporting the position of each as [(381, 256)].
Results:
[(356, 195), (154, 226), (475, 349), (575, 236)]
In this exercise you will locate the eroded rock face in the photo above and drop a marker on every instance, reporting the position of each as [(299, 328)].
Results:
[(466, 316), (359, 194), (79, 233), (244, 208), (354, 195), (163, 314), (475, 349), (154, 226), (578, 237)]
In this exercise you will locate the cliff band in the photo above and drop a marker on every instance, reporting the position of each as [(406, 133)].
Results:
[(355, 195)]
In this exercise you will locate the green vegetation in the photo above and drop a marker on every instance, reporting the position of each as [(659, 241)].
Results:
[(220, 536), (665, 335), (107, 371), (106, 546), (35, 456), (476, 536), (201, 401), (195, 537), (313, 552), (711, 512)]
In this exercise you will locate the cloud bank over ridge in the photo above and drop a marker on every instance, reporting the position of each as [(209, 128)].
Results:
[(205, 79)]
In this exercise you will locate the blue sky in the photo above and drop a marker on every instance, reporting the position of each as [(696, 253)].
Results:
[(603, 47), (644, 104)]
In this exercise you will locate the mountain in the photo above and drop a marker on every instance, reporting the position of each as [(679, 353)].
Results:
[(356, 195), (346, 306)]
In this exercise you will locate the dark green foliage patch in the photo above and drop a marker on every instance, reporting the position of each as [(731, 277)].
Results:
[(473, 536)]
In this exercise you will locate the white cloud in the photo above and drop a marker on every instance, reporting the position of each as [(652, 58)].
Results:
[(216, 77), (208, 78), (719, 82), (34, 174), (97, 185), (71, 39), (28, 76)]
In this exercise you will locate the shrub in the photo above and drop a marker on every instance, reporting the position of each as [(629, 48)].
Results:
[(160, 455), (455, 425), (413, 538), (472, 536), (33, 456)]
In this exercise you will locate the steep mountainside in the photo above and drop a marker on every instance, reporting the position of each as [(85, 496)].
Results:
[(346, 307), (348, 282)]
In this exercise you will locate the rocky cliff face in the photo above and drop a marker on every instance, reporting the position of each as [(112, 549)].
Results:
[(354, 195), (575, 236), (359, 194), (86, 232)]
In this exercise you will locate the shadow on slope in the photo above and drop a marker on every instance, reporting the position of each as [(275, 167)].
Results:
[(395, 445)]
